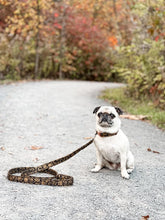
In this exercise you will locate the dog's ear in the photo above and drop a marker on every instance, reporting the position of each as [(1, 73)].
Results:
[(119, 111), (96, 110)]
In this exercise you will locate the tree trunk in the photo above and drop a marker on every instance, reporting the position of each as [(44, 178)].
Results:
[(37, 41), (116, 22), (114, 8), (62, 41)]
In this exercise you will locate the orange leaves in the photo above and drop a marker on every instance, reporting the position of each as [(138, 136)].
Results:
[(27, 17), (36, 147), (4, 2), (89, 26), (113, 41), (33, 147)]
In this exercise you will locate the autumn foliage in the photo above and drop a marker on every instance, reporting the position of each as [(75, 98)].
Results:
[(45, 38), (86, 39)]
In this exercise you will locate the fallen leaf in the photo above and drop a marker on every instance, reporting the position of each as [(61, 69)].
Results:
[(21, 137), (35, 147), (134, 117), (87, 138), (36, 159), (2, 148), (142, 117), (145, 217), (156, 152), (153, 151), (10, 153)]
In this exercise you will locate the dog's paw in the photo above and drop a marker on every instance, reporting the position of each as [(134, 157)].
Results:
[(96, 169), (125, 175), (129, 170)]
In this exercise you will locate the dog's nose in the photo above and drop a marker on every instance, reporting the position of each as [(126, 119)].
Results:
[(103, 120)]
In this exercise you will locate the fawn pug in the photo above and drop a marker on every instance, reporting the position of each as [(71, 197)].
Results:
[(112, 145)]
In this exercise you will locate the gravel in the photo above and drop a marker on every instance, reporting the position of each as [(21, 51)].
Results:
[(57, 115)]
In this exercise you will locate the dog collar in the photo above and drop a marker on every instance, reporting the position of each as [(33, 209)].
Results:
[(105, 134)]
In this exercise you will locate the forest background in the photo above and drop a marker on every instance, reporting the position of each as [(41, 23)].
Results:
[(114, 40)]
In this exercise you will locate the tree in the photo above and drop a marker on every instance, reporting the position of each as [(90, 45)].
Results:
[(29, 21)]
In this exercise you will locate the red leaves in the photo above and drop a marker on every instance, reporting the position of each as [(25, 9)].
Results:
[(82, 33), (84, 20), (153, 89), (156, 38), (56, 15), (57, 25)]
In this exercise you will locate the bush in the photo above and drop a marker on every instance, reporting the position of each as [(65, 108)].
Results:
[(67, 42), (143, 68)]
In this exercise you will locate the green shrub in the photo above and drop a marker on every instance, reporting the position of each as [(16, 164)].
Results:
[(144, 70)]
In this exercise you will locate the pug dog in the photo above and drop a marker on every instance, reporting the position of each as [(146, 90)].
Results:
[(112, 145)]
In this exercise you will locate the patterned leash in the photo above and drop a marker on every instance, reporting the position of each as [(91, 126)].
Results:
[(57, 179)]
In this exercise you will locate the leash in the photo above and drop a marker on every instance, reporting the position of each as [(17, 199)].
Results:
[(26, 173)]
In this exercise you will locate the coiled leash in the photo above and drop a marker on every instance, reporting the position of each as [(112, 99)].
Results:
[(56, 180)]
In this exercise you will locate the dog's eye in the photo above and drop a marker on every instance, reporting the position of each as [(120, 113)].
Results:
[(112, 115), (99, 114)]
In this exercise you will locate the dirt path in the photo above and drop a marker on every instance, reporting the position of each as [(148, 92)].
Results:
[(57, 115)]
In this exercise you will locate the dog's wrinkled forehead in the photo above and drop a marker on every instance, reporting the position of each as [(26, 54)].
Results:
[(108, 109)]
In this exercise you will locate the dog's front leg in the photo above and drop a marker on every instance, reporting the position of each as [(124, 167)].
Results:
[(123, 159), (99, 164)]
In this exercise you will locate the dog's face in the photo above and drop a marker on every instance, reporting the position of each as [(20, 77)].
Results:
[(107, 116)]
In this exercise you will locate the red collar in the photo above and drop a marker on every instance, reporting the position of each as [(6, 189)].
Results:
[(106, 134)]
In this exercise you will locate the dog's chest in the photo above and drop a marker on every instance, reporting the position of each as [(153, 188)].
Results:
[(108, 149)]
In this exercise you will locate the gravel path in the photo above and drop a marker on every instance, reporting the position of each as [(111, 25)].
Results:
[(57, 115)]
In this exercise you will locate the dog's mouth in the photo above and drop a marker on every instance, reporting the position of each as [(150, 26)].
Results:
[(106, 124)]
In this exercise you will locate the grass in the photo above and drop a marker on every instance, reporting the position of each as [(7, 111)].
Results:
[(5, 81), (117, 97)]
